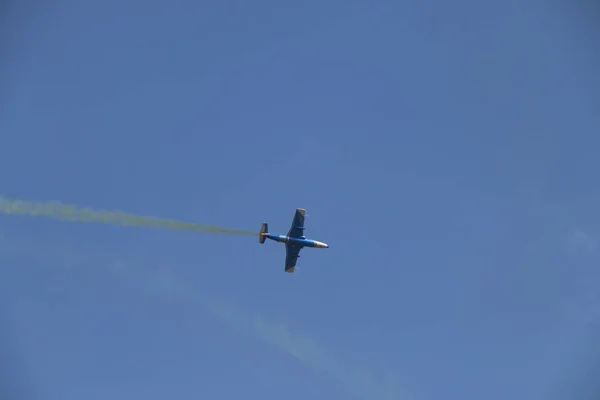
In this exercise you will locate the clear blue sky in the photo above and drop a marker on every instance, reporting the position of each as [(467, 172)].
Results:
[(447, 151)]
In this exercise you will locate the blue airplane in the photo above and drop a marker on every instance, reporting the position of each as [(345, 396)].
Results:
[(294, 240)]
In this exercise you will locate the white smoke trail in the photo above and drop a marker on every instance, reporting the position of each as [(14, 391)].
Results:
[(73, 213), (357, 381)]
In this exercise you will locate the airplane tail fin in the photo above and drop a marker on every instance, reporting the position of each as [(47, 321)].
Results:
[(264, 230)]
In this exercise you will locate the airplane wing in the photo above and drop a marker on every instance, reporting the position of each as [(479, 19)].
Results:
[(297, 228), (292, 252)]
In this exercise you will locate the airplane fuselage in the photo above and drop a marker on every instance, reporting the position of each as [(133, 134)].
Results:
[(300, 241)]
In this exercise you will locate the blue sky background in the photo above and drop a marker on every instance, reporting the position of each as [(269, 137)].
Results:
[(447, 151)]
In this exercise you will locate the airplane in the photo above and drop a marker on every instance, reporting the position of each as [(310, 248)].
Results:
[(294, 240)]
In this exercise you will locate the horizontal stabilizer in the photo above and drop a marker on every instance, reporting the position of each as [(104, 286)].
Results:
[(264, 231)]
